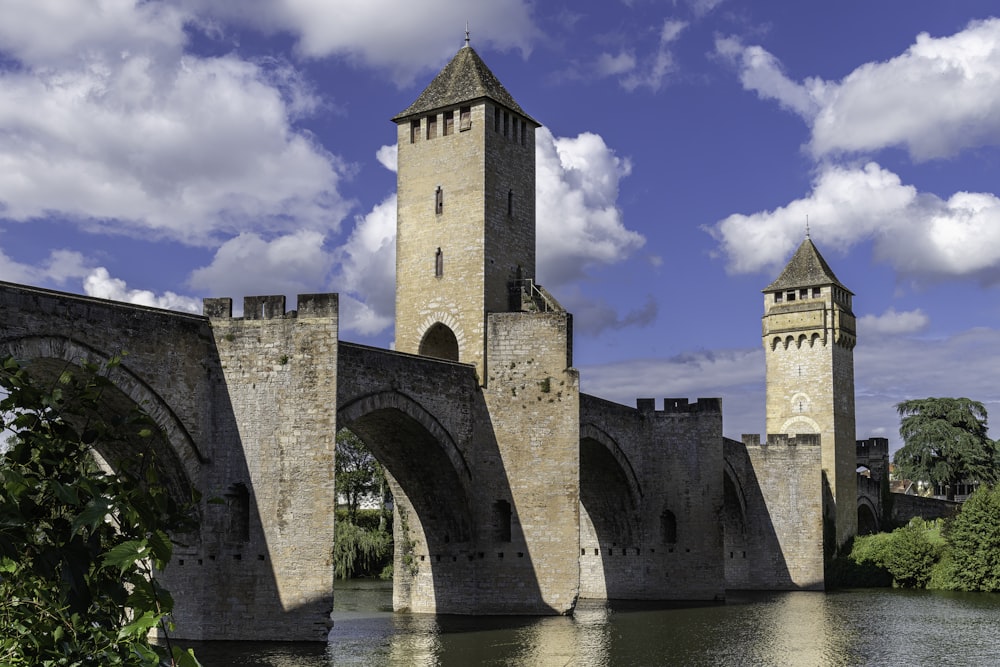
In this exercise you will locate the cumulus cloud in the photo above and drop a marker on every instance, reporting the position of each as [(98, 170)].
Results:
[(920, 234), (652, 71), (59, 267), (935, 99), (893, 323), (579, 223), (110, 124), (387, 156), (403, 37), (366, 271), (101, 285), (250, 264)]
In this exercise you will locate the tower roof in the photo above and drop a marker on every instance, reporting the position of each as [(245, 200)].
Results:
[(806, 268), (465, 79)]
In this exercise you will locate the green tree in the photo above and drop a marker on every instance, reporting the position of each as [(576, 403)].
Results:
[(77, 544), (358, 473), (945, 442), (910, 556), (974, 542)]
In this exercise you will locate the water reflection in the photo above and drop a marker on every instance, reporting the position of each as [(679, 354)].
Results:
[(870, 627)]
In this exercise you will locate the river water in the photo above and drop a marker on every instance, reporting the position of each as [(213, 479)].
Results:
[(858, 627)]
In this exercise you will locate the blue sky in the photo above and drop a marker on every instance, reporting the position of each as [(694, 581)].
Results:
[(161, 152)]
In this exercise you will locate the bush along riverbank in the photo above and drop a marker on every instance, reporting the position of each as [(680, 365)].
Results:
[(960, 554)]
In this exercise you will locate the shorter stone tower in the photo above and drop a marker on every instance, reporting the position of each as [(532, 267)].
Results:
[(809, 336)]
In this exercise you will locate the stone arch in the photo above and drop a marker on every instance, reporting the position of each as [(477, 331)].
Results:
[(800, 399), (734, 528), (775, 343), (439, 319), (801, 341), (592, 432), (813, 340), (788, 341), (868, 519), (180, 457), (439, 342), (800, 424)]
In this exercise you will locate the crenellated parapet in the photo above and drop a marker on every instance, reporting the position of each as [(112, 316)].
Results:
[(679, 405), (782, 440), (272, 307)]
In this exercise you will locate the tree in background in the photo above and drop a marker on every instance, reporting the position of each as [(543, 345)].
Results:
[(359, 475), (362, 539), (946, 443), (77, 544), (974, 541)]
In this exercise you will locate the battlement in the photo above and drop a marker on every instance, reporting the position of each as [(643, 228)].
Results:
[(272, 307), (679, 405), (782, 440)]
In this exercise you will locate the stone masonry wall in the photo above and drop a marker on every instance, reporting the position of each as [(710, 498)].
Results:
[(665, 542)]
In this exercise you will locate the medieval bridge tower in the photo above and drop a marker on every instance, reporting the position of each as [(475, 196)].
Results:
[(809, 336), (466, 210)]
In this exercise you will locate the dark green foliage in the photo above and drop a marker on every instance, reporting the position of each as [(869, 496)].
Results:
[(358, 473), (946, 442), (974, 540), (911, 556), (360, 551), (78, 545)]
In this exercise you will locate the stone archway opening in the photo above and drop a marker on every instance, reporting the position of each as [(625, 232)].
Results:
[(609, 528), (440, 342), (432, 530), (867, 521), (734, 525)]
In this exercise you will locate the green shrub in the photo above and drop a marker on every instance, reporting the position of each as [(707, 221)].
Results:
[(911, 555), (974, 542)]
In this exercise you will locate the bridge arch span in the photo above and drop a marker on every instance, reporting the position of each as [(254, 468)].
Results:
[(179, 458), (868, 516)]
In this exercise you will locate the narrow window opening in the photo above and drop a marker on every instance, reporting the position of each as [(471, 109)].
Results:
[(449, 123), (804, 293), (778, 297), (506, 124), (501, 521), (496, 120), (510, 203), (438, 263), (414, 131), (432, 127), (790, 296), (439, 201), (817, 291), (668, 527), (465, 119)]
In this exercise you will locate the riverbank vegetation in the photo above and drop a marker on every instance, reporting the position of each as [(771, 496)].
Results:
[(362, 536), (961, 553)]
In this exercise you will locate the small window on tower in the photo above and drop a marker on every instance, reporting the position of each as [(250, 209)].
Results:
[(449, 123), (432, 127), (510, 203), (438, 263), (414, 131), (506, 124), (817, 291), (439, 201), (778, 297), (790, 296), (465, 119), (496, 119), (804, 293)]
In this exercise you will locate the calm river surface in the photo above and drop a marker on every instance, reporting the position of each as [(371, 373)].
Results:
[(859, 627)]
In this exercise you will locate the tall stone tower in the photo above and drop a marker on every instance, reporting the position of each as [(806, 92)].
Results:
[(465, 212), (809, 336)]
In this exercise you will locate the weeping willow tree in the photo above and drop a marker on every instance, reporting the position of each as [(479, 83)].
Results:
[(362, 538)]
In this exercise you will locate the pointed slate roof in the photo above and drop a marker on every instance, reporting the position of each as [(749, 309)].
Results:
[(464, 79), (807, 268)]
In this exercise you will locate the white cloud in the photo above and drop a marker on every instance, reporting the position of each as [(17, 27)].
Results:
[(579, 223), (366, 271), (119, 130), (101, 285), (893, 323), (919, 234), (652, 71), (936, 99), (762, 72), (387, 156), (609, 65), (250, 265), (403, 37), (59, 267)]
